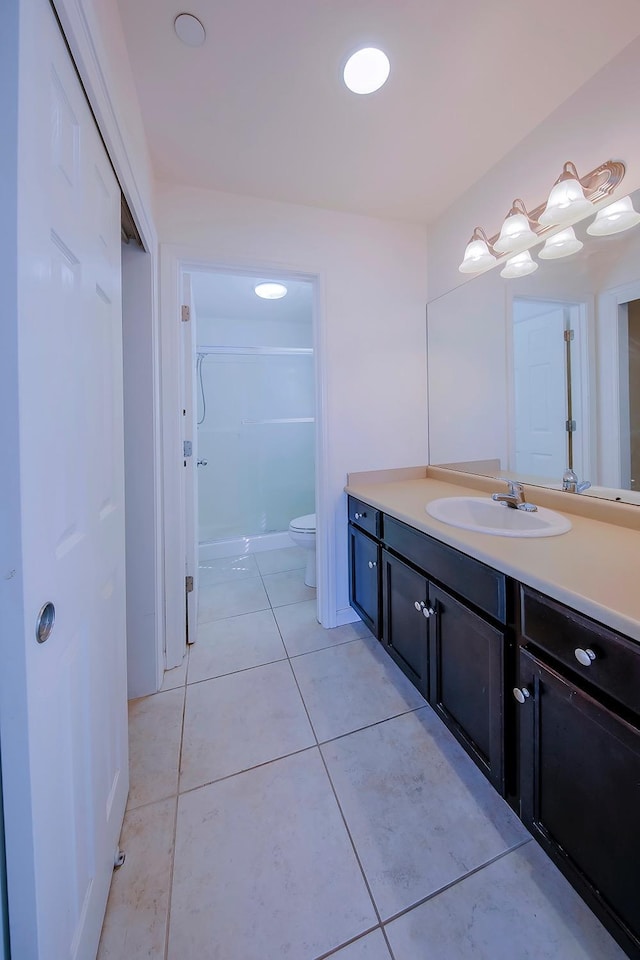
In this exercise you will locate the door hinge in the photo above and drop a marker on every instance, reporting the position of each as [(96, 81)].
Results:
[(185, 313), (569, 335), (187, 448), (188, 584), (571, 426)]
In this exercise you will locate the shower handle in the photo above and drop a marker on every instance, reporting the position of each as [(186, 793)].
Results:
[(202, 463)]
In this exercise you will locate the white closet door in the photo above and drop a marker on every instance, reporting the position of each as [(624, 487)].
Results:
[(73, 697)]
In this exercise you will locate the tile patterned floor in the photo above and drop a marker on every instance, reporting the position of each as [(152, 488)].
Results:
[(294, 798)]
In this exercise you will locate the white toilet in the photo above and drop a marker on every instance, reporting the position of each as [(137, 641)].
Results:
[(302, 531)]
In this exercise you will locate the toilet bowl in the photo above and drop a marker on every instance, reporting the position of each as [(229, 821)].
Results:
[(302, 531)]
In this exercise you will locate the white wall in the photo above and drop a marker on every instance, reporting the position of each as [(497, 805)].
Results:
[(597, 123), (372, 321)]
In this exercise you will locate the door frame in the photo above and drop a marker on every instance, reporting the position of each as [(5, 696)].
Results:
[(176, 259)]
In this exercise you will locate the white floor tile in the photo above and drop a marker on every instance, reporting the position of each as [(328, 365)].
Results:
[(229, 568), (420, 812), (177, 677), (371, 947), (264, 868), (352, 685), (225, 646), (135, 924), (155, 730), (287, 587), (236, 722), (277, 561), (519, 906), (302, 633), (231, 599)]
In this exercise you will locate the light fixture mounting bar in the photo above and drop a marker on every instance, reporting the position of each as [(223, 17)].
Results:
[(597, 184)]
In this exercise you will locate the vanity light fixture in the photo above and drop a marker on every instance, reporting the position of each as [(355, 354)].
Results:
[(270, 291), (366, 70), (561, 244), (567, 202), (519, 266), (477, 255), (618, 216), (516, 233), (571, 198)]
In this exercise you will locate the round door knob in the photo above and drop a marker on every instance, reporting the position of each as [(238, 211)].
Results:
[(428, 612), (521, 694), (372, 564), (585, 657), (359, 516)]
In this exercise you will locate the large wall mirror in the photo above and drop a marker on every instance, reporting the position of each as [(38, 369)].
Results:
[(530, 376)]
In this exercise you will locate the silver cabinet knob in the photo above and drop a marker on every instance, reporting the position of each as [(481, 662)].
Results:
[(202, 463), (372, 564), (428, 612), (419, 605), (521, 694), (359, 516), (585, 657)]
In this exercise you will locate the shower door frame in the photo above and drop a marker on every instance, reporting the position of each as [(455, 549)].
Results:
[(175, 262)]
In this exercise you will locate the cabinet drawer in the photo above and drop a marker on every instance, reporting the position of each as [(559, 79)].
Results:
[(561, 632), (480, 585), (364, 516)]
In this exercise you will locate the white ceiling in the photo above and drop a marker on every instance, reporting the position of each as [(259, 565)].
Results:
[(261, 109)]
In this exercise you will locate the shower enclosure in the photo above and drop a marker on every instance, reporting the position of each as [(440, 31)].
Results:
[(255, 408)]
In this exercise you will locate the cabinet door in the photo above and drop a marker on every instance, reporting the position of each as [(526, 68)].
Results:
[(466, 681), (364, 578), (405, 628), (580, 794)]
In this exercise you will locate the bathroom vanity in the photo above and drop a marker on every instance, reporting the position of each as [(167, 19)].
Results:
[(529, 652)]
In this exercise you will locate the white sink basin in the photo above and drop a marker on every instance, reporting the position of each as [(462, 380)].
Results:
[(486, 516)]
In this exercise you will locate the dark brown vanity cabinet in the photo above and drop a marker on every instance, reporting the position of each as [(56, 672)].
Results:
[(364, 563), (579, 723), (405, 626)]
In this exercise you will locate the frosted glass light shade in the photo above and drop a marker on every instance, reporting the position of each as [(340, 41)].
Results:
[(563, 244), (566, 204), (270, 291), (615, 218), (516, 234), (477, 257), (519, 266), (366, 70)]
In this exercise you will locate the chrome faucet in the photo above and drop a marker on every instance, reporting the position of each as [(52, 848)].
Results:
[(515, 497), (571, 484)]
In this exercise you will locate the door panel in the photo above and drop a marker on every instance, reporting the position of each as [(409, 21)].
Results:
[(405, 628), (364, 592), (73, 693)]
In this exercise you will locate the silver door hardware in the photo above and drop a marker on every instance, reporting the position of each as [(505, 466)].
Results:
[(119, 859), (521, 694), (585, 657), (428, 612), (372, 564), (45, 621), (571, 426), (569, 335), (185, 313), (359, 516), (188, 584), (202, 463), (187, 448)]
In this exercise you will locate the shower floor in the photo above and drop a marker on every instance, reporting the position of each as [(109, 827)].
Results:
[(223, 549)]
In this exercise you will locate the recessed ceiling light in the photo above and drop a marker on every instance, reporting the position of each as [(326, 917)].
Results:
[(271, 291), (366, 70), (189, 29)]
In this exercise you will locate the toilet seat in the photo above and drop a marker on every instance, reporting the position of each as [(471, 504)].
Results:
[(306, 524)]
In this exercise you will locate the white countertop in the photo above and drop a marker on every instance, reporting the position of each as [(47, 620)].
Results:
[(594, 568)]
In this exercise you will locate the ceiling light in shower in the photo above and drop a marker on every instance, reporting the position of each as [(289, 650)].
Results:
[(366, 70), (271, 291), (189, 30)]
